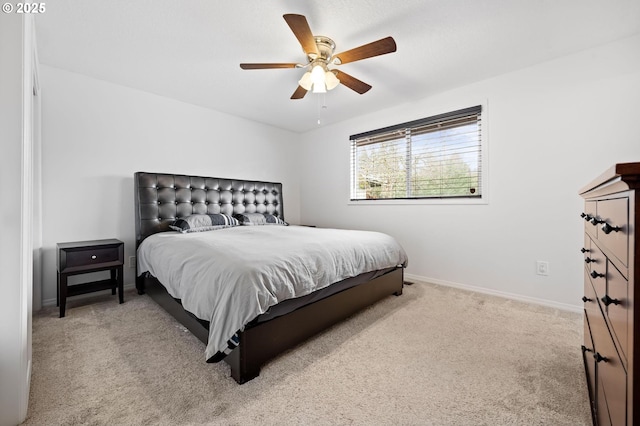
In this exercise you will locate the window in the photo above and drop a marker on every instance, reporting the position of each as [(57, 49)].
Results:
[(434, 157)]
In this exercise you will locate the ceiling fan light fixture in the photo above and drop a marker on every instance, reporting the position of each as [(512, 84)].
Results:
[(331, 80), (305, 82), (319, 88), (317, 77)]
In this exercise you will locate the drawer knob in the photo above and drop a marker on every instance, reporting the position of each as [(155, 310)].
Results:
[(94, 257), (594, 274), (584, 250), (606, 228), (608, 301), (595, 221), (600, 358), (588, 260), (586, 217), (585, 299)]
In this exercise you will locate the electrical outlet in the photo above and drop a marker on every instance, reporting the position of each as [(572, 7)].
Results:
[(542, 267), (132, 261)]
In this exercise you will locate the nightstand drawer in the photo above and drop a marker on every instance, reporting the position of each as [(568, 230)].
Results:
[(80, 256), (92, 256)]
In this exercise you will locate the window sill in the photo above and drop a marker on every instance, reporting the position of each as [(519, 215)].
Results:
[(422, 201)]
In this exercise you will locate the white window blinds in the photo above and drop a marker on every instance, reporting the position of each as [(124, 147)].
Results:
[(435, 157)]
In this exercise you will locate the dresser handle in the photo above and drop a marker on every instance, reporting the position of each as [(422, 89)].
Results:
[(595, 221), (606, 228), (607, 300), (594, 274), (584, 250), (586, 217), (588, 260), (585, 299), (600, 358), (93, 257)]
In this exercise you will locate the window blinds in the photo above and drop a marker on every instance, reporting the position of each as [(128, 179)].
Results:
[(435, 157)]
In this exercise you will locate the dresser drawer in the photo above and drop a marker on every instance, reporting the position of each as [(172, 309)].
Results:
[(593, 258), (589, 361), (616, 305), (614, 385), (597, 271), (590, 299), (613, 232), (590, 212), (612, 377)]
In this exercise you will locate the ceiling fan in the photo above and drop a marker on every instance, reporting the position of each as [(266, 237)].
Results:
[(320, 57)]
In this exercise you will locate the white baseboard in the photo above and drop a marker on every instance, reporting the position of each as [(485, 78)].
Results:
[(503, 294), (53, 302)]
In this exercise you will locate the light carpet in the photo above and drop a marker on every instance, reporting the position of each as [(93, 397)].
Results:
[(433, 356)]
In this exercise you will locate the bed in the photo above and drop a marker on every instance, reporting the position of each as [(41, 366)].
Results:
[(279, 290)]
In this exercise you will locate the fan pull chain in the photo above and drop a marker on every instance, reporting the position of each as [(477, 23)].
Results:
[(321, 104)]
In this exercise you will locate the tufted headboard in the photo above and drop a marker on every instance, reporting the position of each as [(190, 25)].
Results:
[(161, 198)]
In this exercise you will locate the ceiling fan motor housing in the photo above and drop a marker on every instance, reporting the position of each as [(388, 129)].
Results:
[(325, 46)]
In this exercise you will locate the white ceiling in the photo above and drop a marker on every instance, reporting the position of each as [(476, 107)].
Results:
[(191, 50)]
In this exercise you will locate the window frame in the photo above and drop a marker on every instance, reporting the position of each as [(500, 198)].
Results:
[(483, 198)]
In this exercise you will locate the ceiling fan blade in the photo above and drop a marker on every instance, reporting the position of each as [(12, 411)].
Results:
[(352, 82), (267, 66), (300, 28), (375, 48), (299, 93)]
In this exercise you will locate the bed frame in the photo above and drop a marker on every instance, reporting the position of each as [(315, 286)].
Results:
[(161, 198)]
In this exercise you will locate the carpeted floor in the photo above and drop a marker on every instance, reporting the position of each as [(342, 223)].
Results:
[(433, 356)]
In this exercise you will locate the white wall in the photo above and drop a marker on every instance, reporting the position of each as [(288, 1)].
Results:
[(16, 210), (552, 128), (95, 135)]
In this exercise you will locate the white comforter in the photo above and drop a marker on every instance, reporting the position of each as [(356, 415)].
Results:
[(230, 276)]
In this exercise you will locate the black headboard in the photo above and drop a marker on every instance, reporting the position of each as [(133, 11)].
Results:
[(161, 198)]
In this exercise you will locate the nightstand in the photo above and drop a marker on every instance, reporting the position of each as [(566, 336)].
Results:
[(82, 257)]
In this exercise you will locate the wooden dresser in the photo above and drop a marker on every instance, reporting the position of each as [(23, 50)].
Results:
[(611, 349)]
